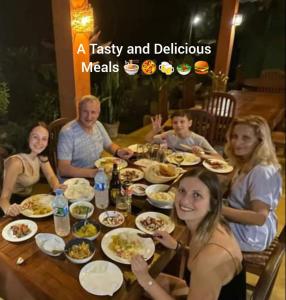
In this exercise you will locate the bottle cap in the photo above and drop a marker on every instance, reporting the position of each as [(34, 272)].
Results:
[(59, 192)]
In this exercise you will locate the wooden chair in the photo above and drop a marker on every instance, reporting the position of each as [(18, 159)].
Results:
[(266, 265), (222, 107), (202, 123), (54, 129), (272, 74)]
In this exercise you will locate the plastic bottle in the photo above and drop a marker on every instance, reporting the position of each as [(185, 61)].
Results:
[(101, 189), (61, 214), (115, 185)]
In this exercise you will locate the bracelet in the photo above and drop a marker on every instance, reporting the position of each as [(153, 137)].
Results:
[(179, 246)]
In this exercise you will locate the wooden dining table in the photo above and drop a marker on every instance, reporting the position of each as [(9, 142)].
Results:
[(270, 106), (46, 277)]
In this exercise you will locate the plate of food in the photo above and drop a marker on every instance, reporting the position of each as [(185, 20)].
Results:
[(161, 173), (158, 196), (138, 189), (19, 230), (189, 159), (122, 244), (38, 206), (131, 174), (50, 244), (111, 218), (79, 250), (150, 221), (101, 278), (139, 148), (107, 163), (144, 162), (78, 189), (217, 165)]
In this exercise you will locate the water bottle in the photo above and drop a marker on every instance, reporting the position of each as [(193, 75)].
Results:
[(61, 214), (101, 189)]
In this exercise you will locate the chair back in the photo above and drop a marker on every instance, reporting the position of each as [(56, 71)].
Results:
[(202, 123), (222, 107), (54, 129), (272, 74), (265, 283)]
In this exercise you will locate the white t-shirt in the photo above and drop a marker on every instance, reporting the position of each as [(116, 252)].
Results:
[(262, 183), (173, 141)]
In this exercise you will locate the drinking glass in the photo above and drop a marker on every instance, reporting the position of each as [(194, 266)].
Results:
[(179, 158), (154, 151), (140, 151), (122, 204)]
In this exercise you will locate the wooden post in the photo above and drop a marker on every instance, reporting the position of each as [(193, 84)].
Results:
[(226, 36), (73, 83)]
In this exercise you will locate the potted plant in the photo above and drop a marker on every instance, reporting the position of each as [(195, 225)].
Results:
[(109, 93), (4, 101)]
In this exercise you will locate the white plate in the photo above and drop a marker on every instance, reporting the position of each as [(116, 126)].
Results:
[(144, 162), (226, 168), (8, 235), (189, 159), (139, 174), (47, 242), (111, 213), (147, 250), (136, 189), (134, 148), (43, 200), (166, 206), (102, 162), (101, 278), (168, 226), (78, 189)]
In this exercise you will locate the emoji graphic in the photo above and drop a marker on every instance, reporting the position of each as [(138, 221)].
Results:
[(184, 69), (201, 67), (148, 67), (131, 68), (166, 68)]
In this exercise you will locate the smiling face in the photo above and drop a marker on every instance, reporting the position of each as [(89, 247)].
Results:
[(181, 125), (38, 139), (243, 141), (89, 113), (192, 200)]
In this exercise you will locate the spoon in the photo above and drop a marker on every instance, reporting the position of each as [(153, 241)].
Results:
[(85, 218)]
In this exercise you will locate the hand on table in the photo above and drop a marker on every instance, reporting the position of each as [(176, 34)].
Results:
[(124, 153), (14, 210), (165, 239)]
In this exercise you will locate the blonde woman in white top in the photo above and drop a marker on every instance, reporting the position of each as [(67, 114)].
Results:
[(22, 171)]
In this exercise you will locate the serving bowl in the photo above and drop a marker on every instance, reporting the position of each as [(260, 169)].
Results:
[(89, 231), (153, 193), (78, 209), (153, 174), (73, 245)]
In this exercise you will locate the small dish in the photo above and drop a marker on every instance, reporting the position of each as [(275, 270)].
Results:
[(111, 218), (50, 244), (78, 209), (138, 189), (79, 255), (89, 231)]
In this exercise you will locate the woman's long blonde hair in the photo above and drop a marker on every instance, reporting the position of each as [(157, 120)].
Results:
[(264, 153)]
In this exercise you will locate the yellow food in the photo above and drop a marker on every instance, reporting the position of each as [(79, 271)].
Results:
[(37, 207), (81, 210), (167, 170), (162, 196), (79, 251), (87, 230), (126, 245)]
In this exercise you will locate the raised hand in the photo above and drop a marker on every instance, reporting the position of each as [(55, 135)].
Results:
[(156, 123)]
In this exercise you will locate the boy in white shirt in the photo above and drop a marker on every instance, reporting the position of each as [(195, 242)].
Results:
[(180, 134)]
